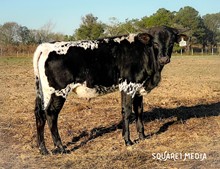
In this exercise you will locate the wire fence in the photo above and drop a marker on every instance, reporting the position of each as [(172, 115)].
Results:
[(28, 51), (17, 51), (199, 51), (17, 54)]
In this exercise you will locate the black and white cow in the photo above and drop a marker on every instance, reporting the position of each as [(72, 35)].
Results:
[(131, 64)]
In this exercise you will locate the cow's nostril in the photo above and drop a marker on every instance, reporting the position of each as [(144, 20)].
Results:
[(168, 60)]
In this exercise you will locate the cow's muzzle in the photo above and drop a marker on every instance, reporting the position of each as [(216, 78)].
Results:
[(163, 59)]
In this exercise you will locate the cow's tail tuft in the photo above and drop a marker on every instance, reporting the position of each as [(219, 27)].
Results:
[(38, 102), (38, 89)]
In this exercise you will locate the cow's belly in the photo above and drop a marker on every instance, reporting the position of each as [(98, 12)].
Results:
[(80, 89), (83, 91)]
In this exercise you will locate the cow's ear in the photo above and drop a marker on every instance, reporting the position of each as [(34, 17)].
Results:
[(180, 37), (145, 38)]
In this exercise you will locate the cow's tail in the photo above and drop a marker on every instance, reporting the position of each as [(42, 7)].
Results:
[(38, 88), (36, 58)]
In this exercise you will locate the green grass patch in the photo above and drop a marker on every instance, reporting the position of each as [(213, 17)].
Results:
[(22, 61)]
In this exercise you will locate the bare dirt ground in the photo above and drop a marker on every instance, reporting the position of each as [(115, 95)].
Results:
[(181, 116)]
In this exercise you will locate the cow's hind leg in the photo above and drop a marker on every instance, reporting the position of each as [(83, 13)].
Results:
[(138, 109), (40, 123), (52, 112), (126, 104)]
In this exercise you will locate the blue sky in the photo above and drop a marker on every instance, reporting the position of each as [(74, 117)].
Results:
[(66, 14)]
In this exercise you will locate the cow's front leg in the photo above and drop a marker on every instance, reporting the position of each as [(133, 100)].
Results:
[(52, 112), (138, 109), (126, 105)]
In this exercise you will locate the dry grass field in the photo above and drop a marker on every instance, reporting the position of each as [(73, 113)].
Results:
[(181, 116)]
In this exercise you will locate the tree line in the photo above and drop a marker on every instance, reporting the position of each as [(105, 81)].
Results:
[(11, 33), (203, 30)]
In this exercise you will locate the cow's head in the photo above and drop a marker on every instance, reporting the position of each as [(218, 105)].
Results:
[(163, 41)]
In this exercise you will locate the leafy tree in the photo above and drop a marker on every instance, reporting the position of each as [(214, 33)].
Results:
[(90, 28), (161, 17), (45, 33), (24, 34), (188, 17), (9, 33), (33, 36), (212, 23), (129, 26), (69, 38), (113, 28), (57, 36), (142, 22)]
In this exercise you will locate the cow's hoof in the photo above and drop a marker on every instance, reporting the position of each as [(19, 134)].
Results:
[(142, 136), (129, 143), (59, 151), (44, 151)]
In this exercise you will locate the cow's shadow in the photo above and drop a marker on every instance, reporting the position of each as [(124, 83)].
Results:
[(182, 113)]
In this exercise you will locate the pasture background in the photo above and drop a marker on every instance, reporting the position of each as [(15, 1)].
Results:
[(181, 116)]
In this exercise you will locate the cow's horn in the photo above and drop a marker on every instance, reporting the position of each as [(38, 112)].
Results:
[(183, 30), (144, 30)]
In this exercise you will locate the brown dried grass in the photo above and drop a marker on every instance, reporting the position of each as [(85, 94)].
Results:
[(18, 51), (181, 116)]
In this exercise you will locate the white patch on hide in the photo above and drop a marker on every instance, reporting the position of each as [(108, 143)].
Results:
[(143, 92), (64, 92), (106, 40), (131, 88), (129, 38), (61, 48), (85, 92), (80, 89), (40, 56)]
